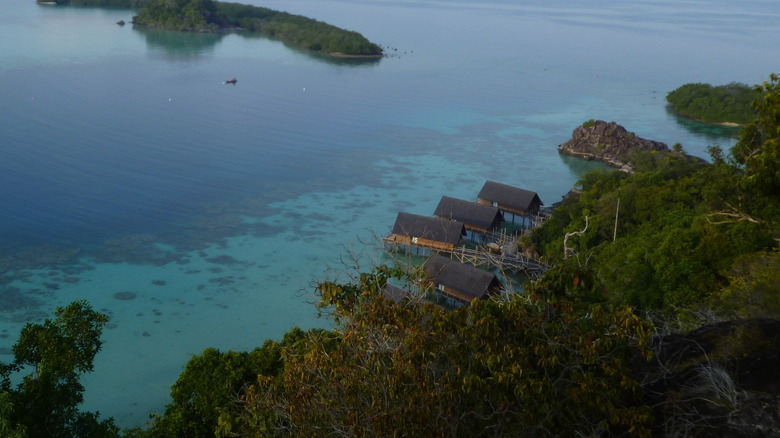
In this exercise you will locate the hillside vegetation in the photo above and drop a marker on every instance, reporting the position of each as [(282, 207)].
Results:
[(665, 237), (680, 233), (186, 15), (729, 103), (298, 30)]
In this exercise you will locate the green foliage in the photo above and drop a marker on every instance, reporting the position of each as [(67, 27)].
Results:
[(493, 368), (754, 287), (298, 30), (206, 394), (343, 298), (208, 383), (65, 345), (568, 281), (744, 187), (589, 123), (758, 148), (8, 428), (669, 252), (45, 403), (188, 15), (684, 227), (720, 104)]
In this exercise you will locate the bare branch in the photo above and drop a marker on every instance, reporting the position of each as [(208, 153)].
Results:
[(570, 251), (730, 216)]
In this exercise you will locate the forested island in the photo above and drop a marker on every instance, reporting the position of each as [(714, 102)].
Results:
[(215, 16), (659, 317), (723, 104)]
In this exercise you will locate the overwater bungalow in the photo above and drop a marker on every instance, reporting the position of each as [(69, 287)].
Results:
[(394, 293), (518, 202), (458, 281), (476, 217), (425, 232)]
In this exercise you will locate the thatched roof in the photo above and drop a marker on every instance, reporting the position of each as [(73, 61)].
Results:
[(394, 293), (471, 213), (469, 281), (509, 196), (437, 230)]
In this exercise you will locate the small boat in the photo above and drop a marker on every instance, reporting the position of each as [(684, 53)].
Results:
[(231, 81), (121, 22)]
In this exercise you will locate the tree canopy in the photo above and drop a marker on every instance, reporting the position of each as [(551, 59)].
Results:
[(669, 235), (729, 103), (653, 238), (758, 149), (298, 30), (187, 15), (46, 402), (206, 393), (493, 368)]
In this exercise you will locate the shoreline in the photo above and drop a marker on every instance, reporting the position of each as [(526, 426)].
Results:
[(236, 29), (696, 119), (351, 55)]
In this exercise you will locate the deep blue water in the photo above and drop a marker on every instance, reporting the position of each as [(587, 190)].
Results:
[(127, 165)]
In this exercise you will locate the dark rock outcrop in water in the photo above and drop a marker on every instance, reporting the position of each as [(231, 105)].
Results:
[(718, 380), (607, 142)]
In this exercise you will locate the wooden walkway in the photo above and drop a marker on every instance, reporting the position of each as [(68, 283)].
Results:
[(486, 256), (499, 250), (500, 253)]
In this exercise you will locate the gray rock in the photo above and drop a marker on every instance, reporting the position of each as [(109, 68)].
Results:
[(719, 380), (609, 143)]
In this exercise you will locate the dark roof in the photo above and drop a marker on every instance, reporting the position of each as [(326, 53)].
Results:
[(510, 196), (468, 212), (463, 278), (394, 293), (412, 225)]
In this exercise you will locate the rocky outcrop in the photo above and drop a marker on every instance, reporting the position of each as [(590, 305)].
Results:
[(720, 380), (609, 143)]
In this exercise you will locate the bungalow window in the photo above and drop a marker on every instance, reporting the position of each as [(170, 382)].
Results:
[(440, 287), (495, 203), (414, 240)]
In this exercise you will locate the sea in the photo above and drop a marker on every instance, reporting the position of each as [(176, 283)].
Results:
[(200, 214)]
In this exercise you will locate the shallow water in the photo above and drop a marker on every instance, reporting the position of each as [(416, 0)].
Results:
[(197, 214)]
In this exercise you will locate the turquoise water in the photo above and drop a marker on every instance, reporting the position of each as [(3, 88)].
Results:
[(198, 214)]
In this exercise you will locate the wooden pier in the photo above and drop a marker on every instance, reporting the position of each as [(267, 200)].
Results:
[(501, 253)]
